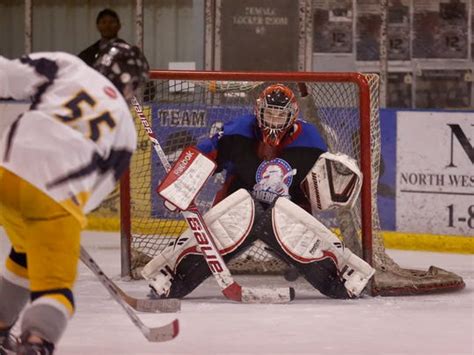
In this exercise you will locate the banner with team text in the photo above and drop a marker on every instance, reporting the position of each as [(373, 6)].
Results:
[(435, 172)]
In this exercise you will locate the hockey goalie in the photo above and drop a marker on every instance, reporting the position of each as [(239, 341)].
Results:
[(277, 174)]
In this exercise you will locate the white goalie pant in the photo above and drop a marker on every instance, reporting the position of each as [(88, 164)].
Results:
[(229, 222), (306, 240)]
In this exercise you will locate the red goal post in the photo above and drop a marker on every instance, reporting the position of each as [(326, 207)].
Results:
[(186, 106)]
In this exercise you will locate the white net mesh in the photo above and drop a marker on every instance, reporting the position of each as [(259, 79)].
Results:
[(184, 111)]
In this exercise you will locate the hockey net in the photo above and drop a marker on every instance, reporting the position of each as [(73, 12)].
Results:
[(185, 107)]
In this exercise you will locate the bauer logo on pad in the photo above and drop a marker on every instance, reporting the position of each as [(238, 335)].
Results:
[(186, 178)]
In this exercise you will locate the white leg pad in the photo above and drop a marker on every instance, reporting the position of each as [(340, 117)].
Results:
[(356, 272), (229, 222), (306, 240), (170, 256), (302, 236)]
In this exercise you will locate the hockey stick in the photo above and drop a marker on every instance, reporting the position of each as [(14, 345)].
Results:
[(157, 334), (231, 289), (170, 305)]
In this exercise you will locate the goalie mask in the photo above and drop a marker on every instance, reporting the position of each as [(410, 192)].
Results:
[(276, 110), (124, 65)]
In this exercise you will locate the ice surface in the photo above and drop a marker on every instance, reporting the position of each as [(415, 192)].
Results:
[(312, 324)]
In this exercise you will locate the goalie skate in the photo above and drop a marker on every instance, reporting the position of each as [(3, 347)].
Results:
[(356, 273), (160, 285)]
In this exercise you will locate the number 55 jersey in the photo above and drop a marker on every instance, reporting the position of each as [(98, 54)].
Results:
[(78, 135)]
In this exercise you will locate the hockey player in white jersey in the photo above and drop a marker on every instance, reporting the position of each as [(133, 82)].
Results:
[(58, 161)]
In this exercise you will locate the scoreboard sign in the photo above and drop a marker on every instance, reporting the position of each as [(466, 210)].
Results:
[(258, 35)]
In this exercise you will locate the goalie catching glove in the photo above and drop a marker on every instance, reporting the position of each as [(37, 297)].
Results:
[(334, 181), (185, 179)]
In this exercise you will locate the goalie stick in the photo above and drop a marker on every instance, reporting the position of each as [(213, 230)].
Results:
[(231, 289), (157, 334)]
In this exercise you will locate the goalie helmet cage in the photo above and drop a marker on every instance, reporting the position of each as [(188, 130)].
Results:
[(184, 107)]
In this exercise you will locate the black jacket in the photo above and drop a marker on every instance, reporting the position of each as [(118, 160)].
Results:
[(89, 54)]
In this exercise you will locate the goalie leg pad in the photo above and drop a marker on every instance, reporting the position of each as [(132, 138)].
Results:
[(321, 274), (302, 236), (230, 223), (356, 273), (231, 220), (304, 239), (190, 273), (164, 263)]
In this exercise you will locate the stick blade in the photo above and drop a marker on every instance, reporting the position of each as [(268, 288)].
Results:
[(170, 305), (164, 333), (267, 295)]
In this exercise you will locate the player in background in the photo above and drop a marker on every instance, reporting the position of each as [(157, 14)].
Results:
[(58, 161), (277, 173), (108, 25)]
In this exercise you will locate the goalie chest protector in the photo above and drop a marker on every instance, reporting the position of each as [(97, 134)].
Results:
[(236, 152)]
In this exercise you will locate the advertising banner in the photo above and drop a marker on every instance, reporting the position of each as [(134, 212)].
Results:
[(435, 172), (387, 174)]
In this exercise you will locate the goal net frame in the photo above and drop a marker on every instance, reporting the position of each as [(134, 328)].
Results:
[(369, 234)]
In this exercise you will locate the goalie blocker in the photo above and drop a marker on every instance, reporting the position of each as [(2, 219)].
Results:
[(292, 233), (185, 179)]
